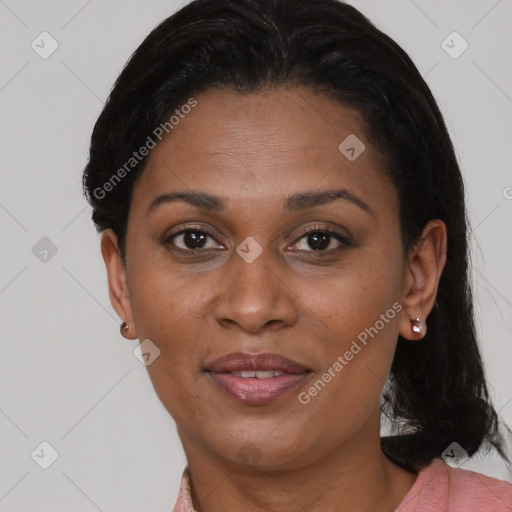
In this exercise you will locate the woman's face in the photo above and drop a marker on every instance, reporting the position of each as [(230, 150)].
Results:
[(247, 278)]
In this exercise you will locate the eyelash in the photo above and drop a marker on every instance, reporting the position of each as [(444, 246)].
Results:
[(343, 240)]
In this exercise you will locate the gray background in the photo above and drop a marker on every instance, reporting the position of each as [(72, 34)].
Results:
[(67, 377)]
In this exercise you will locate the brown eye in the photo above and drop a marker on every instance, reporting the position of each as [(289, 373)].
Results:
[(323, 241), (319, 241), (191, 239)]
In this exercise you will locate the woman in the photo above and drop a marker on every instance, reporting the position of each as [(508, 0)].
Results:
[(283, 225)]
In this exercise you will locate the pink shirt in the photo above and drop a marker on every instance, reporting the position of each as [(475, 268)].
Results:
[(438, 488)]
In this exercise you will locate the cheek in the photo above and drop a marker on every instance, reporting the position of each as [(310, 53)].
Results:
[(353, 298), (164, 299), (360, 310), (362, 329), (171, 311)]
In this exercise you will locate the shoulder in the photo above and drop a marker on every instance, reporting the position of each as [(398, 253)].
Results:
[(439, 487)]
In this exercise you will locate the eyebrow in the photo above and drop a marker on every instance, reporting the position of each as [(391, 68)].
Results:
[(296, 202), (198, 199), (306, 200)]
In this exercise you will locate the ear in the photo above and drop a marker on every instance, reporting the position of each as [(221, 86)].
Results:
[(425, 264), (117, 285)]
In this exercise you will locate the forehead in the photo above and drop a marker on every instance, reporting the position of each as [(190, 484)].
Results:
[(264, 145)]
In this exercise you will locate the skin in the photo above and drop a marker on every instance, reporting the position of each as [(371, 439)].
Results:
[(255, 150)]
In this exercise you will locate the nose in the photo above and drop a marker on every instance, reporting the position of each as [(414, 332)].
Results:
[(254, 297)]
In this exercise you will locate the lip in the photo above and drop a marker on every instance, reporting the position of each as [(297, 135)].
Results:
[(241, 361), (253, 390)]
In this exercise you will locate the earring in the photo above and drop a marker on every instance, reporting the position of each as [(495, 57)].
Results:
[(417, 327), (124, 328)]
